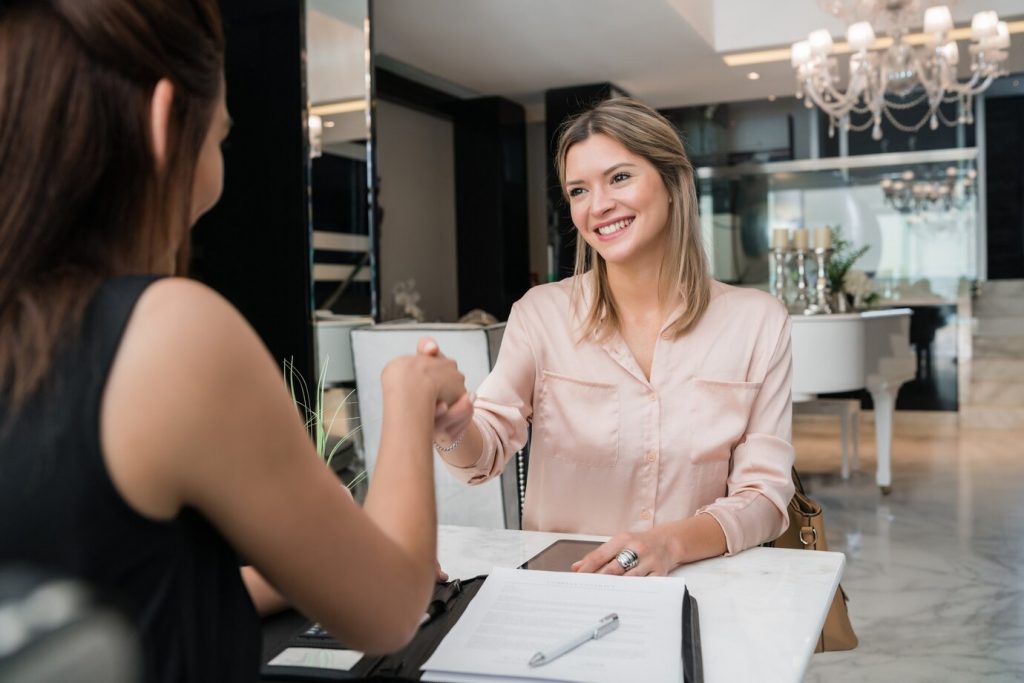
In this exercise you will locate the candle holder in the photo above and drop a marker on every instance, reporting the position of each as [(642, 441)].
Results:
[(822, 292), (802, 301), (779, 257)]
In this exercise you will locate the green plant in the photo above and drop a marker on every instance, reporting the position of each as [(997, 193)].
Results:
[(313, 415), (843, 258)]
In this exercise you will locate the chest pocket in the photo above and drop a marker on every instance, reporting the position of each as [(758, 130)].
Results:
[(720, 412), (577, 421)]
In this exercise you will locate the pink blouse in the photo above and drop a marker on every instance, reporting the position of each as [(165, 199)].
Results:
[(611, 451)]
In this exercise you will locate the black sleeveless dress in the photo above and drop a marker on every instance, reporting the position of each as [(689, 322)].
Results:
[(59, 510)]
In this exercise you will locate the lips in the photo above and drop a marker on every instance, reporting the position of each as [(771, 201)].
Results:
[(609, 229)]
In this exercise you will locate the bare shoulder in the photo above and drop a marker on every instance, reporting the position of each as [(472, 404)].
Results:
[(176, 308), (188, 363)]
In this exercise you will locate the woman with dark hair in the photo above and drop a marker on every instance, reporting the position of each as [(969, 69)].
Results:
[(146, 436), (659, 399)]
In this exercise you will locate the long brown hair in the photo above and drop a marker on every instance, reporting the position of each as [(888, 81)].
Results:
[(81, 196), (684, 267)]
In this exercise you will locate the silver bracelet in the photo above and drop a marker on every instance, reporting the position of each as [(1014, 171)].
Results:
[(453, 445)]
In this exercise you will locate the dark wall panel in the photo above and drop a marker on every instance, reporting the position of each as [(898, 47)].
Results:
[(491, 204), (254, 246), (1004, 177)]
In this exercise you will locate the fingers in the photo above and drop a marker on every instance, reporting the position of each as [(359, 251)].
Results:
[(604, 560), (456, 418), (426, 346), (597, 559), (439, 574)]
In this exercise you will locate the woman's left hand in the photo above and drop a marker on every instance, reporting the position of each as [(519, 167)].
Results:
[(653, 548)]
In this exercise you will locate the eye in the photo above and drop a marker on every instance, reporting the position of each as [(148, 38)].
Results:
[(575, 192), (619, 177)]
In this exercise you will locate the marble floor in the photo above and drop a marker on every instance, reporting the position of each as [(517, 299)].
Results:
[(935, 570)]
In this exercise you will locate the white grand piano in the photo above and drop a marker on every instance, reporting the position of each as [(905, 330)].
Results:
[(849, 351)]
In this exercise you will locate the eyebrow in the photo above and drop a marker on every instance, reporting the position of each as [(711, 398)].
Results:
[(607, 171)]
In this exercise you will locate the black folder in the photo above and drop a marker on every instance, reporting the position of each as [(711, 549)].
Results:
[(450, 601)]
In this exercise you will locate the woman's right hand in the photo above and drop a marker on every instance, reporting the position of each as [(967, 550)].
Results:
[(450, 419)]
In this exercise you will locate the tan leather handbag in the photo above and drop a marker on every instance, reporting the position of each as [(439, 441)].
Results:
[(807, 532)]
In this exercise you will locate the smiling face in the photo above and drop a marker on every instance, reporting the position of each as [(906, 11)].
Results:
[(617, 199)]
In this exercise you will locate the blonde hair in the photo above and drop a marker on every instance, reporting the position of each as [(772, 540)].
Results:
[(684, 268)]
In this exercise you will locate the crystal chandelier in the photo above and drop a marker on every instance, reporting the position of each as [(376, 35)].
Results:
[(952, 190), (897, 75)]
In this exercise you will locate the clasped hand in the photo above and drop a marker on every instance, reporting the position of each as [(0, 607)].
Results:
[(450, 420)]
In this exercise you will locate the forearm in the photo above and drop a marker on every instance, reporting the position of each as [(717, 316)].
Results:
[(265, 597), (694, 538), (467, 453), (401, 495)]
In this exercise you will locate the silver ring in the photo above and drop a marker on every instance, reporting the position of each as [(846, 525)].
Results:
[(627, 559)]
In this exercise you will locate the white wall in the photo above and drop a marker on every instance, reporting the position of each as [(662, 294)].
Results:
[(335, 54), (415, 157)]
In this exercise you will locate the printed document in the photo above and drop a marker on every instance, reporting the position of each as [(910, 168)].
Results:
[(517, 613)]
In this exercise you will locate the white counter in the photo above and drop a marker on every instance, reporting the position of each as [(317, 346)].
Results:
[(760, 611)]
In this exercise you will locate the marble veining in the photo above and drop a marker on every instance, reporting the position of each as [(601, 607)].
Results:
[(935, 571)]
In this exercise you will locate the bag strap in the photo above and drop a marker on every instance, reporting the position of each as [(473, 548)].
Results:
[(796, 481)]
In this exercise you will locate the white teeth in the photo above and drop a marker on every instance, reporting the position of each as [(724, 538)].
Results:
[(614, 227)]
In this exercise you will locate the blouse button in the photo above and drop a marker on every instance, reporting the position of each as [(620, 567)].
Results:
[(651, 457), (645, 514), (652, 396)]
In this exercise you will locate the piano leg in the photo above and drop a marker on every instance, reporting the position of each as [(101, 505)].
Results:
[(884, 396)]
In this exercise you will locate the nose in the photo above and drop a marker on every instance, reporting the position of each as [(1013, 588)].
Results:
[(601, 202)]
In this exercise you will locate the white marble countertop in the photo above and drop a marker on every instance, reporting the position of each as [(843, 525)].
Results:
[(760, 611)]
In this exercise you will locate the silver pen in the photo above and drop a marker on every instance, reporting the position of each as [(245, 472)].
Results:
[(603, 628)]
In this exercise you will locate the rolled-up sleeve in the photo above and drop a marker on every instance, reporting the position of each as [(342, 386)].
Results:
[(760, 483), (504, 405)]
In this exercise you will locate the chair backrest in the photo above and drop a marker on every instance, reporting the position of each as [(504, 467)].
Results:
[(334, 346), (494, 504), (53, 631)]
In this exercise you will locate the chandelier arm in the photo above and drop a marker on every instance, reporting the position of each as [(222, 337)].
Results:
[(952, 85), (972, 91), (929, 80), (844, 101), (834, 109)]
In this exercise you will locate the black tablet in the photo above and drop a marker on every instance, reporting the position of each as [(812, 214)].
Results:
[(559, 556)]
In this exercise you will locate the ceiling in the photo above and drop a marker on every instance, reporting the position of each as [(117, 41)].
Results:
[(666, 52)]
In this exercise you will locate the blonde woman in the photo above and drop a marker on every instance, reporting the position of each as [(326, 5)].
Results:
[(659, 398)]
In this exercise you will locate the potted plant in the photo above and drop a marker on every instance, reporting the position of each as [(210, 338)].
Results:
[(843, 257), (313, 412)]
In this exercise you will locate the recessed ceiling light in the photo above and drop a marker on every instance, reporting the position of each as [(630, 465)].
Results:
[(753, 75), (341, 107), (328, 124), (771, 98)]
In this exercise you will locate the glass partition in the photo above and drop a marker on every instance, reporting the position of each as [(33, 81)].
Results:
[(918, 213), (338, 86)]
